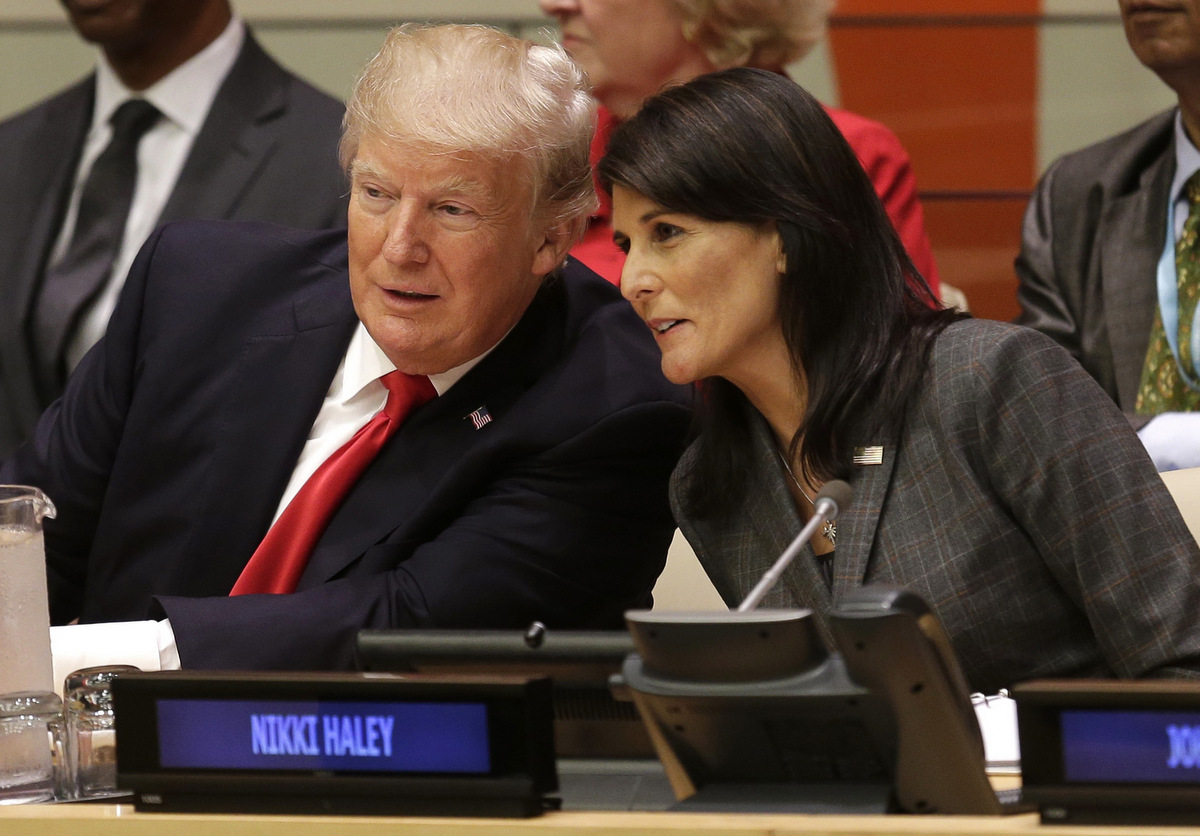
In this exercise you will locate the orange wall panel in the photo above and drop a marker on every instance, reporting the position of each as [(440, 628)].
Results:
[(962, 99), (959, 86), (975, 243), (938, 7)]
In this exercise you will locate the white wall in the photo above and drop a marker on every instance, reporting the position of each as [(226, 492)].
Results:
[(1091, 84), (325, 42)]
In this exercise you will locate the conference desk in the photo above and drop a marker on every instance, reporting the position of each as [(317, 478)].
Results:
[(122, 820)]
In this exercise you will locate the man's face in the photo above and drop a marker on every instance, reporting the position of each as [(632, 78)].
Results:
[(125, 24), (1164, 35), (445, 252)]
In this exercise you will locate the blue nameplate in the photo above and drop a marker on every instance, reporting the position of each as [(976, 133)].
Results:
[(421, 745), (1111, 751)]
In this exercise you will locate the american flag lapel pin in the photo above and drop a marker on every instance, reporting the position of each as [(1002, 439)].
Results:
[(868, 455), (479, 417)]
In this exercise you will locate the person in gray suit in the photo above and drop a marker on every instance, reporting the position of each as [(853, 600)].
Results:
[(1097, 259), (991, 475), (231, 134)]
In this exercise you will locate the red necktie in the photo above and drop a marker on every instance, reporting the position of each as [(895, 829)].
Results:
[(280, 558)]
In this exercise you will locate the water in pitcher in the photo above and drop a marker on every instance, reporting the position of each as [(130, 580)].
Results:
[(30, 711), (31, 742), (25, 663)]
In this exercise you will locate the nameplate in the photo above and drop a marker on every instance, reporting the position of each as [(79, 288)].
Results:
[(335, 743)]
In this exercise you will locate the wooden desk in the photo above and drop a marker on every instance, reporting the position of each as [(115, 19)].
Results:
[(121, 820)]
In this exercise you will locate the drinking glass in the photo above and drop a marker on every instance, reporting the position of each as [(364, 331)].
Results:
[(91, 737), (27, 747)]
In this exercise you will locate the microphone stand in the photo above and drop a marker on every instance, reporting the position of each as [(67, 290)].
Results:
[(834, 494)]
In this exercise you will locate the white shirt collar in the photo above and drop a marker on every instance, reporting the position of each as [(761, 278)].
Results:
[(186, 93), (1187, 158), (365, 363)]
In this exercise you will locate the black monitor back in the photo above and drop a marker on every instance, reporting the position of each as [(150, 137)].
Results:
[(590, 721), (750, 711)]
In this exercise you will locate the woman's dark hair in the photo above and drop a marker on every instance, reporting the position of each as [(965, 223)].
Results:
[(752, 147)]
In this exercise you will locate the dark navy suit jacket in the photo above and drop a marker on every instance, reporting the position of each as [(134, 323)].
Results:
[(169, 452)]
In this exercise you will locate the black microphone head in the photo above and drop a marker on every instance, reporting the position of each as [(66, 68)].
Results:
[(839, 493)]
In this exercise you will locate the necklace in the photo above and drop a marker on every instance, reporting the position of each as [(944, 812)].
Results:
[(829, 529)]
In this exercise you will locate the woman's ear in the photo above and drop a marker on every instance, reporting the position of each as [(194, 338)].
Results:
[(781, 256)]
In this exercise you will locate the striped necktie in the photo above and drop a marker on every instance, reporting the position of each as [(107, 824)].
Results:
[(84, 268)]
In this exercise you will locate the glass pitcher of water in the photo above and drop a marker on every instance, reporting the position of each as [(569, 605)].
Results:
[(28, 703)]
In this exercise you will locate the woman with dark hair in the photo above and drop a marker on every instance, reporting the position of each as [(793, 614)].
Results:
[(991, 475)]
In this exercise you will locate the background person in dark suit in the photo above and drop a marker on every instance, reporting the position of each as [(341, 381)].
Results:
[(241, 356), (991, 475), (235, 136), (1099, 260)]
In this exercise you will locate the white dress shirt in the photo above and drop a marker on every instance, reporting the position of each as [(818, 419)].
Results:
[(184, 97)]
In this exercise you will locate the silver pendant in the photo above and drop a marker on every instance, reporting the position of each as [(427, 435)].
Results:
[(830, 531)]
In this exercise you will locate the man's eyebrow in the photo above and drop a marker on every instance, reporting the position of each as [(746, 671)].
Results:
[(362, 168), (455, 184), (460, 184)]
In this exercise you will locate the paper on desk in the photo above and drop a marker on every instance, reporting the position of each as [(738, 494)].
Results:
[(998, 722)]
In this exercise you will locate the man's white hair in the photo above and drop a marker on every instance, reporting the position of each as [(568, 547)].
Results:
[(465, 88)]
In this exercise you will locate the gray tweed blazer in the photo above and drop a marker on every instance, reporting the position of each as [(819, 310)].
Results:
[(1015, 500)]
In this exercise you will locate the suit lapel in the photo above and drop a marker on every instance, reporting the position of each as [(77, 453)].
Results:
[(273, 400), (1131, 235), (235, 141), (771, 522), (772, 519), (404, 493), (27, 246), (858, 523)]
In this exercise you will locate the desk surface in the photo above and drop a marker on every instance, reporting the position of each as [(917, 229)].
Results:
[(122, 820)]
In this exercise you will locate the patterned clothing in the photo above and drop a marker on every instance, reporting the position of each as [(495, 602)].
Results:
[(1016, 501), (1162, 388)]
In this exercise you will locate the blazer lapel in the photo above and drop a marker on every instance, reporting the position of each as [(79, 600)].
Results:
[(769, 523), (236, 139), (858, 523), (273, 400), (1131, 234)]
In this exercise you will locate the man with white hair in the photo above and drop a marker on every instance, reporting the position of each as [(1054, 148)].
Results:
[(429, 422)]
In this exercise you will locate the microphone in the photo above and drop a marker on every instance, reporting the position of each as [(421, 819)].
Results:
[(830, 500)]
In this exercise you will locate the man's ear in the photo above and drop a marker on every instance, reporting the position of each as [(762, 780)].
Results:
[(557, 242)]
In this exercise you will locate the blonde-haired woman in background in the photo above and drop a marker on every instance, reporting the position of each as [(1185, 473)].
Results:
[(631, 49)]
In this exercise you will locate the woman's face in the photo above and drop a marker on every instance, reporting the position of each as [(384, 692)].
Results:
[(709, 291), (629, 48)]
